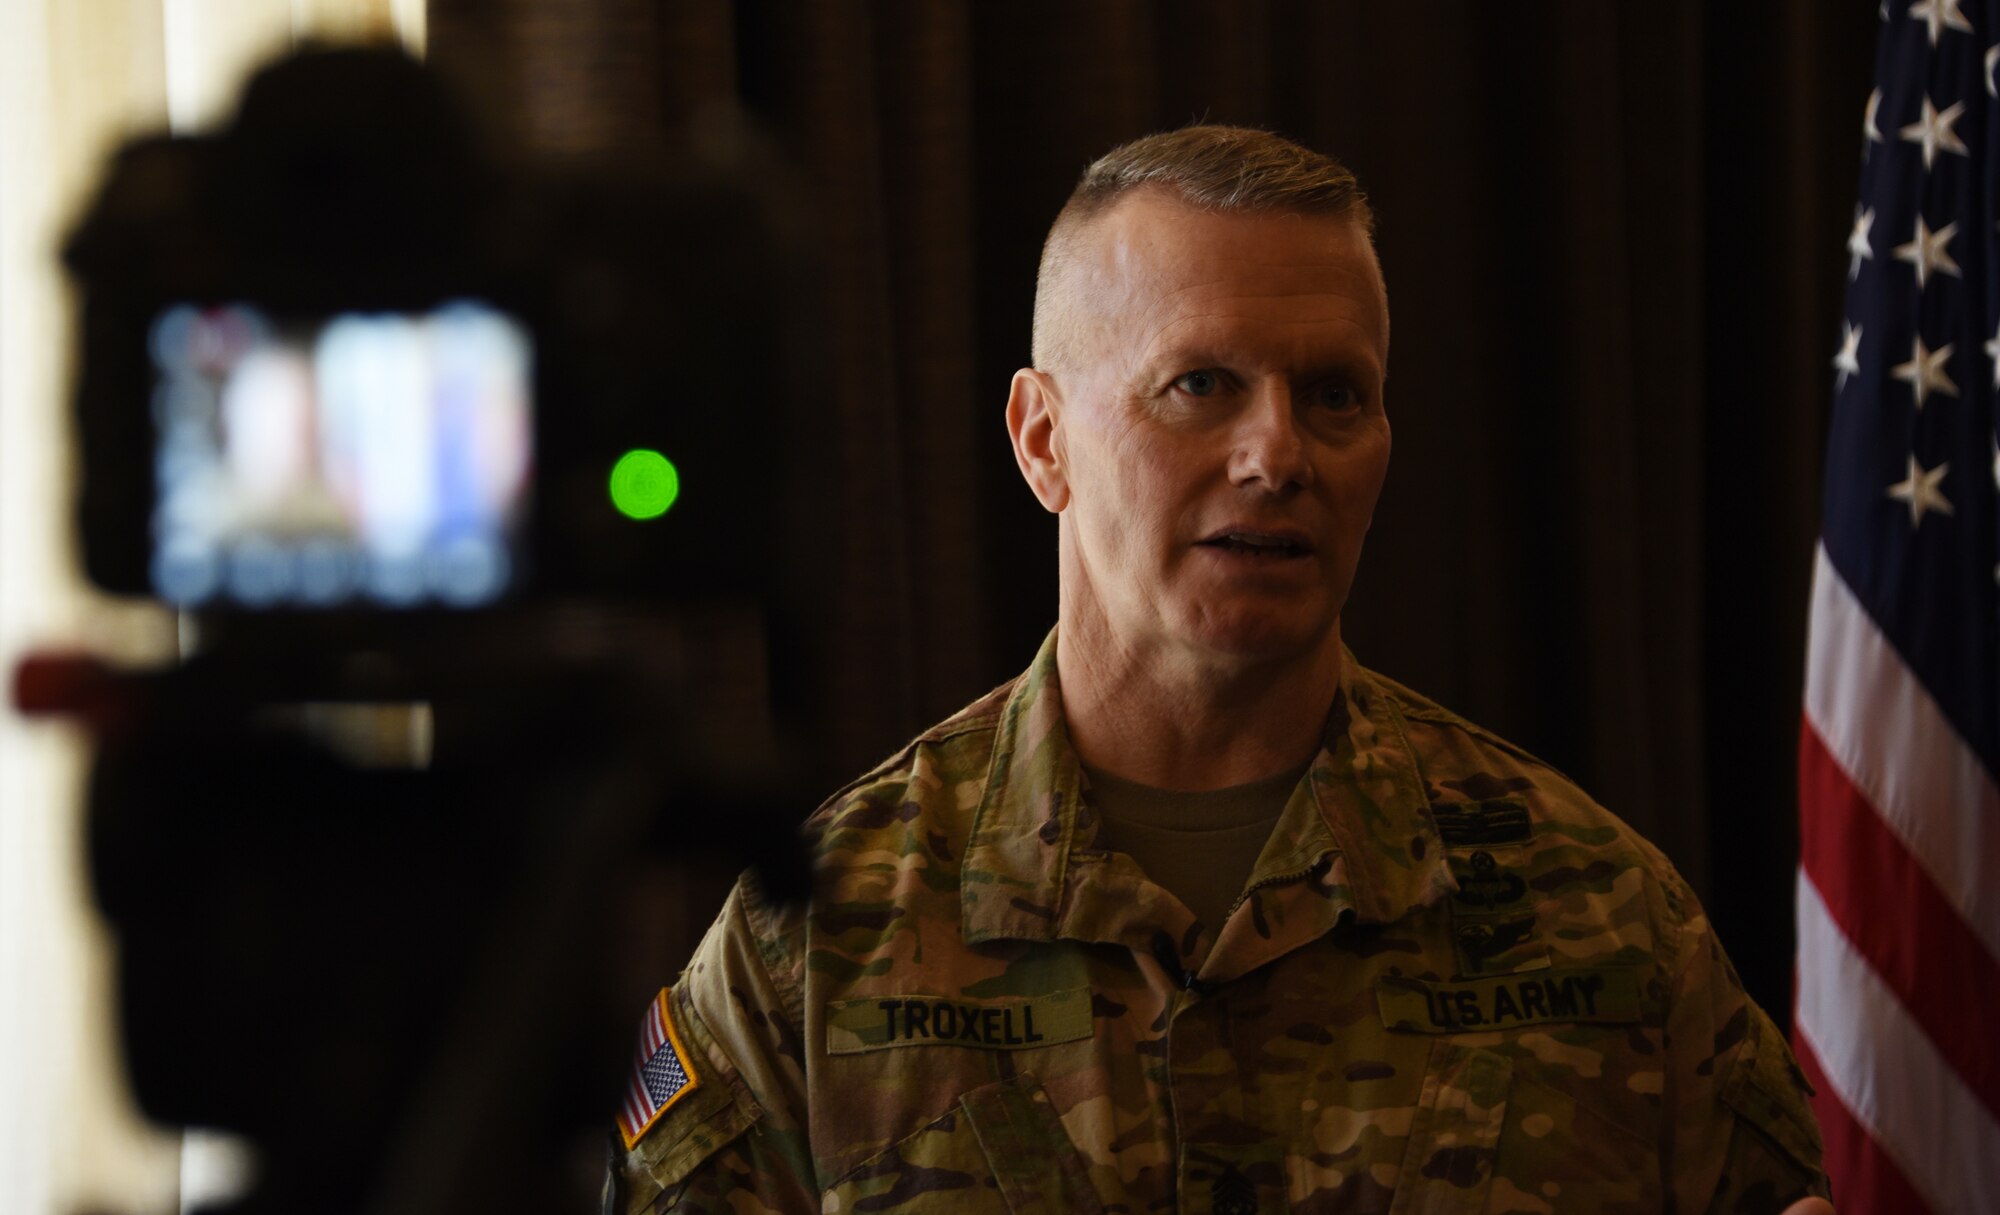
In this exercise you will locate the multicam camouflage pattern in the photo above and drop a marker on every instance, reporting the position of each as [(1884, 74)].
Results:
[(1453, 984)]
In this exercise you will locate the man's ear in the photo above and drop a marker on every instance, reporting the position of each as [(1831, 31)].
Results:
[(1034, 419)]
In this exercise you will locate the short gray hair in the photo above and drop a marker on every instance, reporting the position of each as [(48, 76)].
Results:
[(1213, 168)]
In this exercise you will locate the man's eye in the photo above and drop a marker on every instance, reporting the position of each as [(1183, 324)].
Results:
[(1338, 396), (1198, 383)]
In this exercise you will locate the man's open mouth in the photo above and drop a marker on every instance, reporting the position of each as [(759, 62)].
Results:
[(1261, 544)]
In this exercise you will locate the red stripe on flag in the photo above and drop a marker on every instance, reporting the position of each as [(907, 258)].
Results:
[(1864, 1178), (655, 1033), (1896, 918)]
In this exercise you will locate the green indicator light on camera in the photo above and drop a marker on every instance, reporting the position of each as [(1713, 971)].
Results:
[(644, 484)]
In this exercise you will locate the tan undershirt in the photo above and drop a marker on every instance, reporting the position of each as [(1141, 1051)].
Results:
[(1200, 846)]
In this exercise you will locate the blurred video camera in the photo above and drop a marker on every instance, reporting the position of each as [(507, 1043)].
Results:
[(393, 422), (336, 361)]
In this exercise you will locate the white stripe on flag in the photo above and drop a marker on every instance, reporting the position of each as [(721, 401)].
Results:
[(1901, 752), (637, 1098), (655, 1032), (1886, 1072)]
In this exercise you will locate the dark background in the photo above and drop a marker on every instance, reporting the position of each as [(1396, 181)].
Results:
[(1613, 235)]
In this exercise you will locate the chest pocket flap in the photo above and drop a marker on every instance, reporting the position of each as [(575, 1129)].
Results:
[(1767, 1090), (1455, 1136), (1000, 1147)]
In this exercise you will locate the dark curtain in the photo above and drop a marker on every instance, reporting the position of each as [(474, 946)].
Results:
[(1613, 239)]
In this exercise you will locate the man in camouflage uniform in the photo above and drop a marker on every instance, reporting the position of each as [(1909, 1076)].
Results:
[(1450, 981)]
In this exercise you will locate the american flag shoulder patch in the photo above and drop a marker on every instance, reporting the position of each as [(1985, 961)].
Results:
[(662, 1073)]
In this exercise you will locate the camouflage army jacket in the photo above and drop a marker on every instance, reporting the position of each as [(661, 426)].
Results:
[(1452, 984)]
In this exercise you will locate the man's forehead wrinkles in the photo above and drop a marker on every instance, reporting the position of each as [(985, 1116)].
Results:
[(1247, 333), (1214, 267), (1289, 286), (1281, 276), (1346, 292), (1208, 295)]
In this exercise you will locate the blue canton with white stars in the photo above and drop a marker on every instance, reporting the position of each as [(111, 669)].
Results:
[(664, 1075), (1912, 499)]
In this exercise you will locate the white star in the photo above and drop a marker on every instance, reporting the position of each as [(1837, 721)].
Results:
[(1992, 57), (1920, 490), (1857, 241), (1848, 361), (1993, 353), (1869, 130), (1940, 15), (1925, 371), (1926, 251), (1933, 131)]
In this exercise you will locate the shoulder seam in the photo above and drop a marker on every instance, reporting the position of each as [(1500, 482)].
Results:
[(954, 727), (765, 936), (1413, 704)]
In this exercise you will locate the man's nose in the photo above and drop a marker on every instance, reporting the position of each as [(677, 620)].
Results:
[(1270, 446)]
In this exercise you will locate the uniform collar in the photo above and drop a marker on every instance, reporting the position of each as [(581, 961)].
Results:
[(1365, 831)]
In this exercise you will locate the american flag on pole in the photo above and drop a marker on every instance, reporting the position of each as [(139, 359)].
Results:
[(661, 1073), (1898, 1017)]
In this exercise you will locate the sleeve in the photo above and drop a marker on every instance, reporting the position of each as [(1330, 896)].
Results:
[(1743, 1137), (736, 1139)]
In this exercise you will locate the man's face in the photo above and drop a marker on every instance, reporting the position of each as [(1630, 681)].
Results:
[(1217, 439)]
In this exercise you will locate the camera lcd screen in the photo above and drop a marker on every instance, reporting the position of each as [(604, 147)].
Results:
[(356, 460)]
